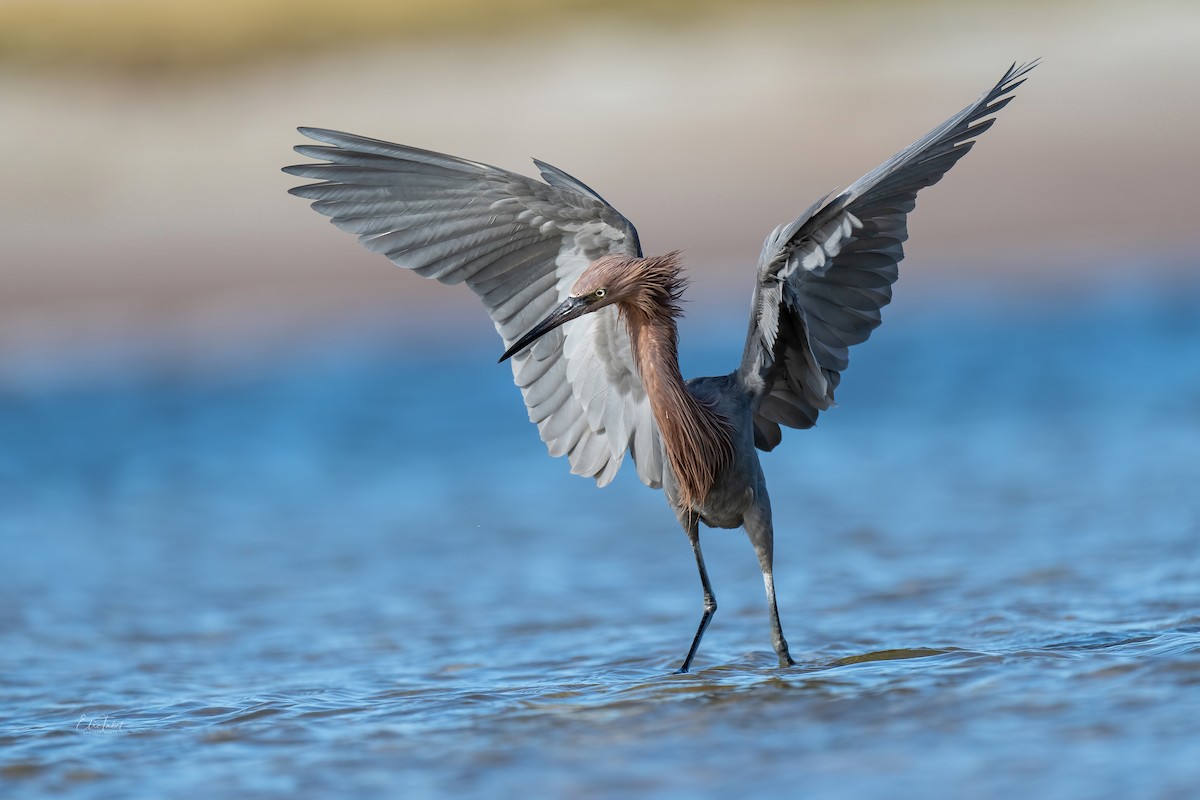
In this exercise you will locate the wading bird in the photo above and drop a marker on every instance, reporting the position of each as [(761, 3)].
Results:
[(590, 322)]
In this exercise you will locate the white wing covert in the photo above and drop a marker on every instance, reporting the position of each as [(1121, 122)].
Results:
[(520, 245)]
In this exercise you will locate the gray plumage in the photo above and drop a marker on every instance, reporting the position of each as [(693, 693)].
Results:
[(590, 322)]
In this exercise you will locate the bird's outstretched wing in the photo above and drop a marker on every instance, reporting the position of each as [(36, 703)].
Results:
[(519, 244), (823, 279)]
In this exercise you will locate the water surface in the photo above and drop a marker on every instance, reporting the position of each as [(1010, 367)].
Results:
[(349, 569)]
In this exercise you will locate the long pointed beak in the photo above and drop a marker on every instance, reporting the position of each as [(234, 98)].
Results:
[(568, 310)]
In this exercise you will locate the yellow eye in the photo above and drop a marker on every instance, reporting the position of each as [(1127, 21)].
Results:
[(598, 293)]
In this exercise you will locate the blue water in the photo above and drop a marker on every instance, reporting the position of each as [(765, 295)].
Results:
[(346, 567)]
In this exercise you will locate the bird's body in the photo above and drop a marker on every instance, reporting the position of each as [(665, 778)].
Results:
[(711, 472), (590, 322)]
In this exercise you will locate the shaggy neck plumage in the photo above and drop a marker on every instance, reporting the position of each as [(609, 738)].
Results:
[(696, 439)]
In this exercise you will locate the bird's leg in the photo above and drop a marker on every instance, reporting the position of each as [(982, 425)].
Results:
[(692, 525), (757, 521), (781, 645)]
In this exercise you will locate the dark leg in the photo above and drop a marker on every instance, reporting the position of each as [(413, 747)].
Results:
[(762, 536), (692, 526), (781, 645)]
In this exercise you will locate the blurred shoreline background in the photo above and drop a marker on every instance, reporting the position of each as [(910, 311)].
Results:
[(143, 142)]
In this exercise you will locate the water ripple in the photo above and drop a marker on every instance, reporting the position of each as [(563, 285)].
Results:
[(251, 584)]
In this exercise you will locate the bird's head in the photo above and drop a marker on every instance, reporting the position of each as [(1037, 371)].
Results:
[(636, 282)]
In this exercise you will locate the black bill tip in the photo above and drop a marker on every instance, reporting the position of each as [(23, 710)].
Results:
[(569, 309)]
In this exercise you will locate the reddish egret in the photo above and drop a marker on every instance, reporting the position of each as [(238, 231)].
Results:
[(590, 322)]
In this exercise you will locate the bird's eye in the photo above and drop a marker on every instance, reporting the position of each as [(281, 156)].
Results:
[(598, 293)]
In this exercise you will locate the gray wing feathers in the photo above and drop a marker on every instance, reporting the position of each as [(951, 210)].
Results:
[(519, 245), (824, 278)]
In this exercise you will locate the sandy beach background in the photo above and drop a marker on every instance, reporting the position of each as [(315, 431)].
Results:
[(143, 191)]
